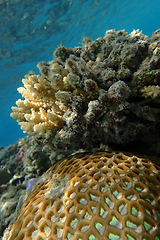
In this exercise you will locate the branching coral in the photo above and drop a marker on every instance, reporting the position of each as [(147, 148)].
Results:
[(38, 113)]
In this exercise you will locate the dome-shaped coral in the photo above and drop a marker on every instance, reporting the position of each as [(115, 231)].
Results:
[(99, 196)]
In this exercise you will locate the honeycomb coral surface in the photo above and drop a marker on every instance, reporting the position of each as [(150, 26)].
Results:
[(88, 197)]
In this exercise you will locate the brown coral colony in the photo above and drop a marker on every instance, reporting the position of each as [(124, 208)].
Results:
[(105, 91)]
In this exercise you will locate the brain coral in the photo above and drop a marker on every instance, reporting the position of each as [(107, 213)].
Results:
[(91, 197)]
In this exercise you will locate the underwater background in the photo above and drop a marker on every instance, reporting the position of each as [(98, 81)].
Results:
[(30, 31)]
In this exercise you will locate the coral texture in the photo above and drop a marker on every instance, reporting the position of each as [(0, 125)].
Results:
[(106, 91), (38, 113), (99, 196), (151, 91)]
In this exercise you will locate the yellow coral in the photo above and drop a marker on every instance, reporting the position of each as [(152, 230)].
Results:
[(150, 91), (40, 113), (99, 196)]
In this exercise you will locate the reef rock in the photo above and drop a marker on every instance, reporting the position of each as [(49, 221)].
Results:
[(105, 92)]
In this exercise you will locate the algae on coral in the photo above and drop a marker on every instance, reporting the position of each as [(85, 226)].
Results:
[(96, 94)]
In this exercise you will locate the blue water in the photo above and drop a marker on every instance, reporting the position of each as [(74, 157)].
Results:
[(31, 30)]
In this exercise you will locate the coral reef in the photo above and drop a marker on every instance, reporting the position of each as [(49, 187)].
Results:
[(101, 96), (105, 92), (17, 177), (98, 196)]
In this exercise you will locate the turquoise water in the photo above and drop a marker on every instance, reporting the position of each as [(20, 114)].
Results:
[(31, 30)]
